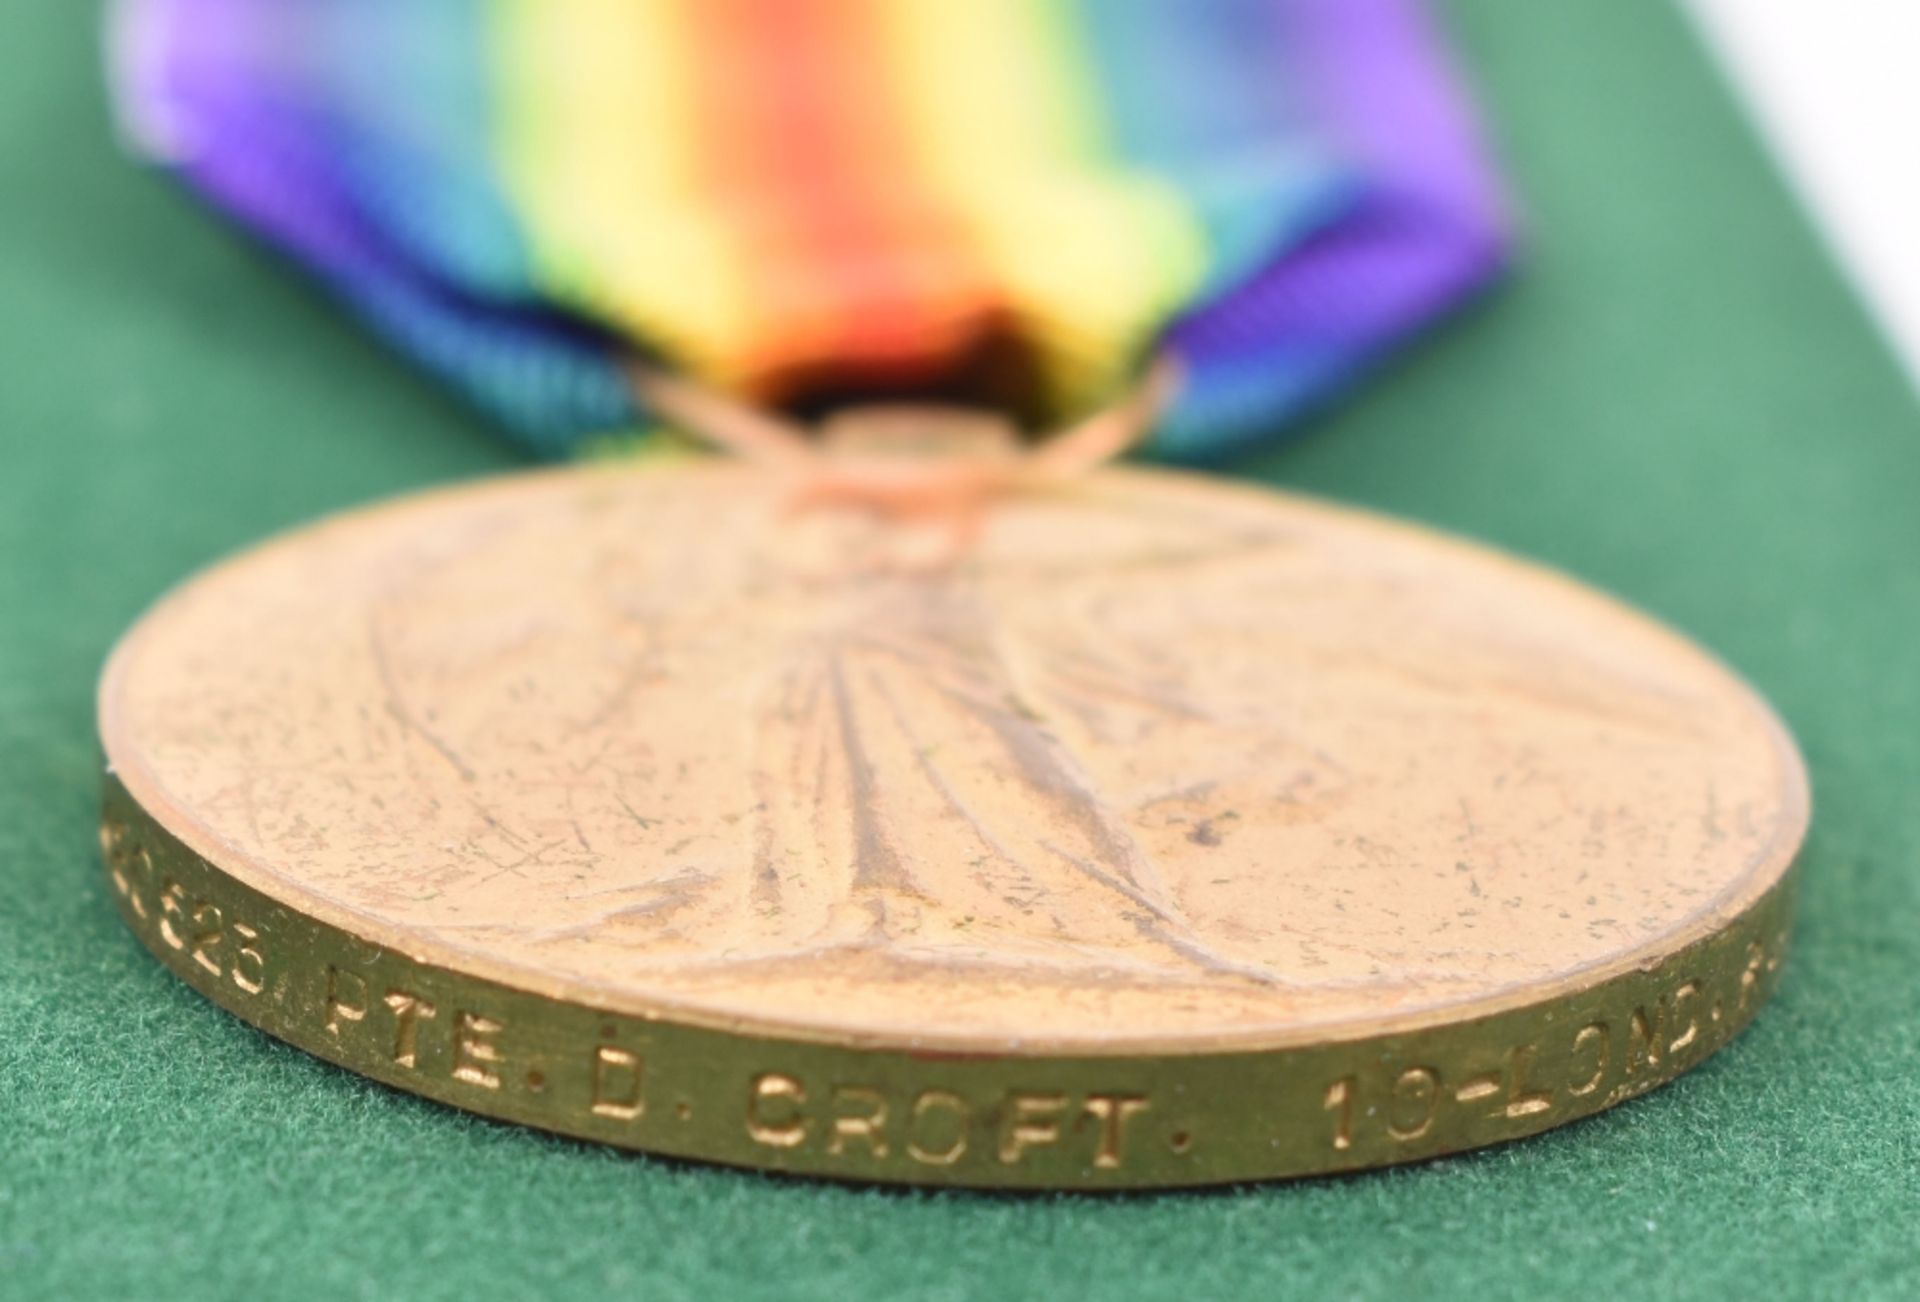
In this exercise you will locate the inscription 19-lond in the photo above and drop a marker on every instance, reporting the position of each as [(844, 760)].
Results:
[(1653, 1034)]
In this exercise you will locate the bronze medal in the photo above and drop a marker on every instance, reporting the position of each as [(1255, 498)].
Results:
[(1157, 832)]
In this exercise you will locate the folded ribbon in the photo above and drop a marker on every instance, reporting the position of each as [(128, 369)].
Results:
[(1010, 200)]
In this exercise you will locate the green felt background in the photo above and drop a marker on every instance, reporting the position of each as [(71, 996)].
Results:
[(1675, 399)]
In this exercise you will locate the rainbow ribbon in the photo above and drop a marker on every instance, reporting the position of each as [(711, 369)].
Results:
[(797, 200)]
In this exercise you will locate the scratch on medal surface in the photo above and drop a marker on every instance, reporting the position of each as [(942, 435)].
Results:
[(923, 758), (398, 708), (672, 895)]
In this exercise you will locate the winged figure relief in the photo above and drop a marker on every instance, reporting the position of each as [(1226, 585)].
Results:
[(918, 783), (1097, 745)]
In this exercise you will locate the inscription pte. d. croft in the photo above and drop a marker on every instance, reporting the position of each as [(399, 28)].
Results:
[(406, 1029)]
